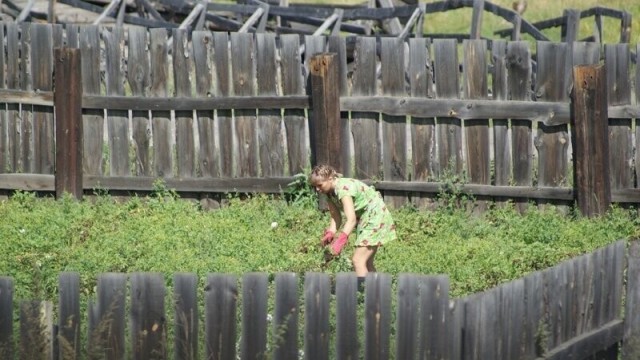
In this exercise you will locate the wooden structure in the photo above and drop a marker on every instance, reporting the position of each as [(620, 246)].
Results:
[(572, 310), (229, 112)]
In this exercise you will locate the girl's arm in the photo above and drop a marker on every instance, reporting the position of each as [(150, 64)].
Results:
[(336, 219), (350, 214)]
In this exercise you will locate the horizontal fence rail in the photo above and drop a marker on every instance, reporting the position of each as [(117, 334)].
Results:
[(206, 111), (572, 310)]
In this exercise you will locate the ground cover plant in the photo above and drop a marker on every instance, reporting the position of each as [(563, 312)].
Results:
[(162, 233)]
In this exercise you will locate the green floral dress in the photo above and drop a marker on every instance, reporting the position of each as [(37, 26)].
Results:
[(374, 222)]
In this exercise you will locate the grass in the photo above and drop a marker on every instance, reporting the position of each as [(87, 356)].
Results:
[(459, 21)]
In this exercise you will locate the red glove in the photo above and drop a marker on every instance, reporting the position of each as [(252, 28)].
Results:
[(327, 237), (339, 243)]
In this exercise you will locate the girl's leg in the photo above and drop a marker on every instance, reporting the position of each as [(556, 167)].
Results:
[(370, 265), (360, 259)]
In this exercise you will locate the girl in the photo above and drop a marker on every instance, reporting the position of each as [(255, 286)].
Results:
[(365, 213)]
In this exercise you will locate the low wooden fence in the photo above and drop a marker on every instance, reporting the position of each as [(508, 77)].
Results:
[(219, 112), (571, 311)]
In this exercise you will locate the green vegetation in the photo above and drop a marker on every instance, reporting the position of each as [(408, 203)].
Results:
[(42, 237)]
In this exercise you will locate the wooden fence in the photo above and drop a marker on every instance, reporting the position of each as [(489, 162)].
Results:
[(219, 112), (571, 311)]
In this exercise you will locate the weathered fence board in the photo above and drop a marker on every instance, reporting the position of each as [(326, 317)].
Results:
[(316, 309), (244, 77), (365, 126), (4, 123), (295, 122), (207, 163), (160, 120), (117, 120), (436, 324), (347, 343), (223, 88), (69, 318), (221, 294), (42, 70), (36, 330), (148, 320), (139, 81), (631, 341), (394, 142), (449, 130), (186, 316), (27, 141), (617, 69), (406, 320), (501, 145), (107, 318), (552, 142), (423, 142), (377, 317), (285, 320), (6, 317), (92, 119), (254, 316), (271, 144), (13, 110), (185, 154)]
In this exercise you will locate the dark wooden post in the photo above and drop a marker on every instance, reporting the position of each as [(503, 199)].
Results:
[(69, 318), (67, 100), (476, 20), (328, 132), (631, 340), (591, 141), (6, 318)]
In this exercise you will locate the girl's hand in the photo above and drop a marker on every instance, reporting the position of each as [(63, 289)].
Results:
[(339, 243), (327, 237)]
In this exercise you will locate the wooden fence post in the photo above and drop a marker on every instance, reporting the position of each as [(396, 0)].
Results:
[(591, 141), (328, 132), (6, 317), (67, 101)]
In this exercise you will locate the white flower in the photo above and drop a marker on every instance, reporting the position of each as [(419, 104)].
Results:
[(274, 225), (22, 231)]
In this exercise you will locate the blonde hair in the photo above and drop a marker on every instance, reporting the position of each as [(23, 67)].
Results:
[(324, 171)]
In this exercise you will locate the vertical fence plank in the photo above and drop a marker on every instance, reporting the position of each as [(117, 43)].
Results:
[(285, 322), (501, 145), (42, 69), (436, 327), (185, 142), (160, 120), (365, 126), (106, 330), (208, 162), (481, 325), (4, 123), (377, 322), (631, 341), (394, 144), (6, 317), (347, 343), (223, 88), (456, 321), (555, 284), (598, 292), (221, 293), (534, 324), (512, 310), (476, 130), (616, 278), (92, 119), (186, 316), (271, 143), (295, 121), (316, 332), (637, 101), (423, 142), (117, 120), (552, 85), (139, 80), (73, 35), (68, 110), (26, 114), (243, 75), (449, 130), (618, 87), (584, 288), (406, 320), (14, 161), (69, 315), (519, 72), (148, 326), (254, 316), (36, 330), (337, 44)]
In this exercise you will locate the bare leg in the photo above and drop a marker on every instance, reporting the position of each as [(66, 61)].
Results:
[(360, 260), (370, 265)]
